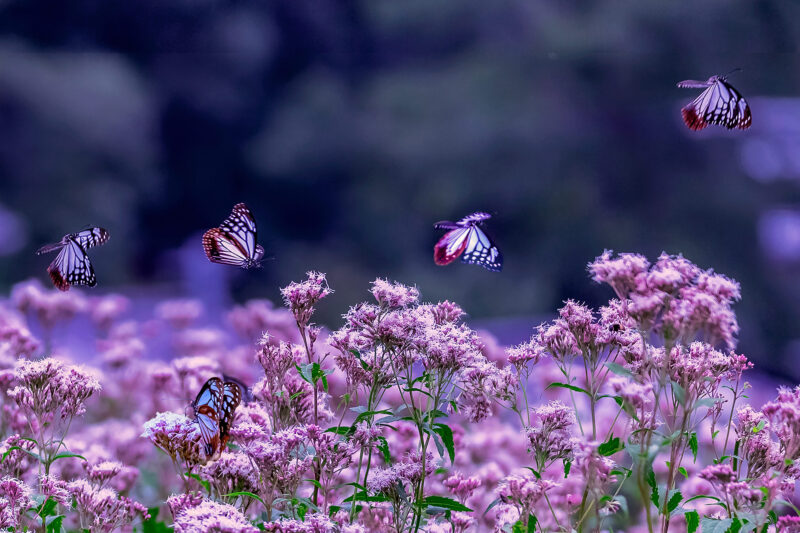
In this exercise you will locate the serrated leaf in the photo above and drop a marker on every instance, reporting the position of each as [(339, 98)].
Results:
[(383, 447), (693, 445), (674, 501), (651, 480), (610, 447), (692, 521), (711, 525), (444, 431), (53, 523)]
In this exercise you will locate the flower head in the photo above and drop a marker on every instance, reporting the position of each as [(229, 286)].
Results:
[(301, 297)]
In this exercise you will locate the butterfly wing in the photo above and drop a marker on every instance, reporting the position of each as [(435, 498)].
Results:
[(71, 267), (206, 411), (234, 242), (450, 246), (221, 249), (231, 398), (91, 237), (719, 104), (480, 250), (241, 227)]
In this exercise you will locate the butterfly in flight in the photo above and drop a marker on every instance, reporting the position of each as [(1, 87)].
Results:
[(213, 411), (234, 241), (72, 266), (720, 104), (467, 239)]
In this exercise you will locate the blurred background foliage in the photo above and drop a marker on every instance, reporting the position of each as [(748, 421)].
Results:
[(350, 126)]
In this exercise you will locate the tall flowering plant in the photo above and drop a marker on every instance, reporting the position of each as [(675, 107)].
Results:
[(651, 386)]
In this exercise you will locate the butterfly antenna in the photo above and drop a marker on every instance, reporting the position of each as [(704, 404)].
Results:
[(737, 69)]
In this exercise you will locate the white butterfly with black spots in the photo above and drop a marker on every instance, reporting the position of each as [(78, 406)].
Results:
[(468, 240), (720, 104), (214, 407), (234, 241), (72, 266)]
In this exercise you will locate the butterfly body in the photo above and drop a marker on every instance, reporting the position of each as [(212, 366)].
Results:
[(234, 241), (720, 103), (214, 408), (467, 240), (72, 266)]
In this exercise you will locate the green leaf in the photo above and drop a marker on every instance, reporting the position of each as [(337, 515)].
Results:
[(651, 480), (693, 446), (444, 431), (362, 496), (568, 386), (673, 502), (678, 392), (619, 370), (711, 525), (532, 521), (244, 493), (692, 521), (567, 467), (683, 472), (48, 508), (760, 426), (383, 447), (66, 455), (445, 503), (53, 523), (518, 527), (610, 447)]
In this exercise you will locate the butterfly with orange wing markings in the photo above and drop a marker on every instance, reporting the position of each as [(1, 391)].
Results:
[(720, 104), (214, 407), (72, 266), (468, 240), (234, 241)]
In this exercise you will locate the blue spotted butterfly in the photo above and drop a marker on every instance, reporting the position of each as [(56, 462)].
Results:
[(72, 266), (468, 240), (214, 407)]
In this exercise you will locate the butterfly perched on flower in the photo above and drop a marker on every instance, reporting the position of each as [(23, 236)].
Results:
[(468, 240), (234, 241), (72, 266), (213, 411), (720, 104)]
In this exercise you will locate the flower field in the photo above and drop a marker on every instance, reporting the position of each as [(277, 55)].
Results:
[(637, 416)]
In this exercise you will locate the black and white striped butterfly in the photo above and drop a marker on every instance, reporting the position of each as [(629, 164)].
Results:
[(720, 104), (72, 266), (213, 411), (467, 239), (234, 241)]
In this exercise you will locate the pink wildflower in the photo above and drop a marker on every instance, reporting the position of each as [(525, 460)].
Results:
[(301, 297), (177, 435), (462, 487), (393, 295), (198, 514)]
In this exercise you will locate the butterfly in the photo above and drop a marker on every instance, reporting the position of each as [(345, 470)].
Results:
[(72, 266), (234, 241), (213, 411), (468, 240), (720, 104)]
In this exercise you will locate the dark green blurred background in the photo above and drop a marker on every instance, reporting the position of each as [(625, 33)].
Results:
[(350, 127)]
